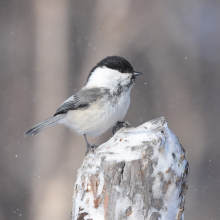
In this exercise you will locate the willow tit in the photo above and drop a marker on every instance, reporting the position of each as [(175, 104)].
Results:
[(103, 101)]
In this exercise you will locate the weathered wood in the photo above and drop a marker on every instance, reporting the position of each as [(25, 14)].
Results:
[(140, 173)]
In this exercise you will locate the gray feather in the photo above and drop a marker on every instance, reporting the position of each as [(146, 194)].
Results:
[(45, 124), (81, 99)]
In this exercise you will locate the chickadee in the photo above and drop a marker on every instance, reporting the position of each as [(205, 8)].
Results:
[(103, 101)]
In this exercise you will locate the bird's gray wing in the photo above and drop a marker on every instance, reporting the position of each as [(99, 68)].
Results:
[(81, 99)]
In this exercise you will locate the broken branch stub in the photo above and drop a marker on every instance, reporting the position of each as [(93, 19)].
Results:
[(140, 173)]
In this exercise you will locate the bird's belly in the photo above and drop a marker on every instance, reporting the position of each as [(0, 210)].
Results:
[(96, 119)]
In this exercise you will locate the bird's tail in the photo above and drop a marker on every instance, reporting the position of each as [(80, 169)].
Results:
[(45, 124)]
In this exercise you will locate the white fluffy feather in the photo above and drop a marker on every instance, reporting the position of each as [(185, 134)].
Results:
[(107, 78), (101, 115), (98, 118)]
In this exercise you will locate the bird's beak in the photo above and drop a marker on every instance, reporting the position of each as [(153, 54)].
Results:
[(137, 73)]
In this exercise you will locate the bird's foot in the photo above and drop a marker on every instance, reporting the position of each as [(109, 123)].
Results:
[(119, 125), (90, 148)]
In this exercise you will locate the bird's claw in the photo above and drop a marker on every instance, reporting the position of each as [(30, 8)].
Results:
[(90, 148), (119, 125)]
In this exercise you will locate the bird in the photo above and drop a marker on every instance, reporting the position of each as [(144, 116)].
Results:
[(100, 104)]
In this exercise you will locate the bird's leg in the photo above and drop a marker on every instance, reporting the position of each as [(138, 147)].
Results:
[(88, 146), (87, 143), (119, 125)]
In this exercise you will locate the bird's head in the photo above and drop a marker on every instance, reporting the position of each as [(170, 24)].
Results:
[(112, 72)]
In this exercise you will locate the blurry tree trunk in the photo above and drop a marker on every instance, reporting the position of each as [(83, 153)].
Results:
[(140, 173), (51, 70)]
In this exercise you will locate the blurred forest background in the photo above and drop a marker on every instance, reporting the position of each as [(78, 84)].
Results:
[(47, 49)]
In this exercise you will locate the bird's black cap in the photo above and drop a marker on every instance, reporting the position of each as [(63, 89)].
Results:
[(115, 63)]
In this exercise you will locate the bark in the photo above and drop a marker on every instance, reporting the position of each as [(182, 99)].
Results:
[(140, 173)]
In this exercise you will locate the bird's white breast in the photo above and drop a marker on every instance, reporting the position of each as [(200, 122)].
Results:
[(99, 116)]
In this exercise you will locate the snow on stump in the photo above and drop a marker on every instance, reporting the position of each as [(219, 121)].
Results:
[(140, 173)]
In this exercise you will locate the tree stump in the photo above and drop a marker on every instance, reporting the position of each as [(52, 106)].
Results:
[(140, 173)]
